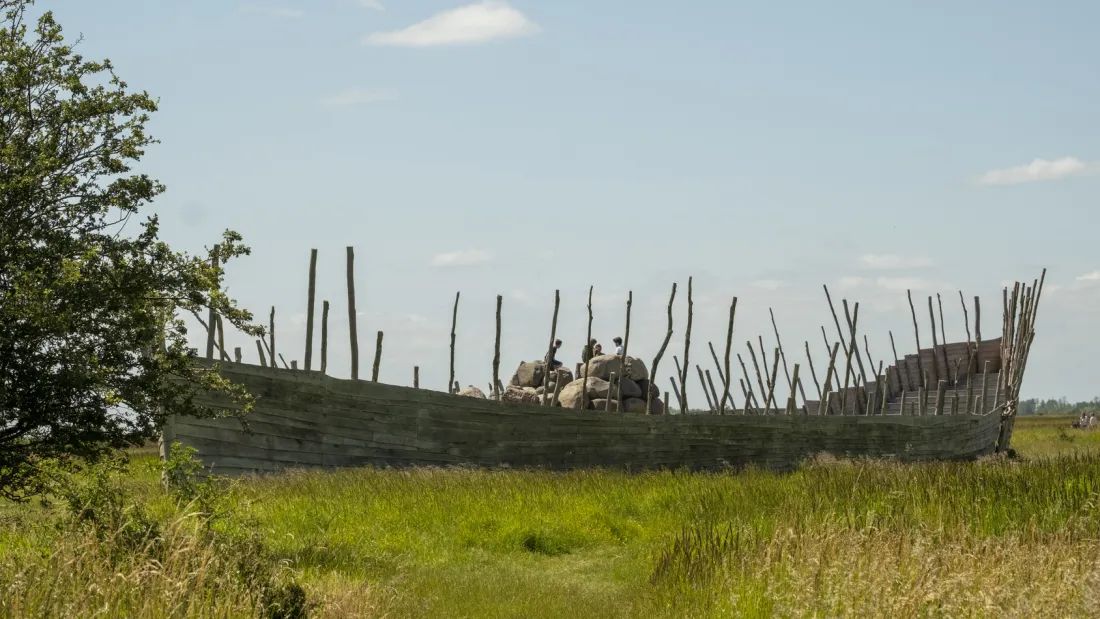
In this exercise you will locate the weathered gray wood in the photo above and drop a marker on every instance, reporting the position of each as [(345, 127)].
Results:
[(916, 334), (496, 351), (623, 356), (859, 358), (687, 347), (377, 358), (703, 382), (726, 374), (310, 301), (416, 377), (352, 318), (324, 336), (810, 361), (211, 321), (713, 392), (260, 350), (588, 347), (271, 338), (454, 324), (941, 396), (237, 354)]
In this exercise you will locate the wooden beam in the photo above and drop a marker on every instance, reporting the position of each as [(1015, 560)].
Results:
[(310, 302), (352, 320)]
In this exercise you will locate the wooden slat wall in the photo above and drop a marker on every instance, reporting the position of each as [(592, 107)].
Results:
[(307, 419)]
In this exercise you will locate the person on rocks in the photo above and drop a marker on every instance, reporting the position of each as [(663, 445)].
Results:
[(598, 350), (587, 351), (551, 362), (618, 345)]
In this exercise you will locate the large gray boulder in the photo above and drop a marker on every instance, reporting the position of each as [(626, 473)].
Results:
[(529, 374), (636, 370), (630, 389), (645, 385), (473, 392), (570, 395), (602, 366)]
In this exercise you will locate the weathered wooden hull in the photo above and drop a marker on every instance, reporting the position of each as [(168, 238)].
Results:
[(309, 420)]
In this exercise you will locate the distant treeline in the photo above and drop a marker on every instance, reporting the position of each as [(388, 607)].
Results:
[(1060, 406)]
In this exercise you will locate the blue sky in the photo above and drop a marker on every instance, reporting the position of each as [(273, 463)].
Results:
[(764, 148)]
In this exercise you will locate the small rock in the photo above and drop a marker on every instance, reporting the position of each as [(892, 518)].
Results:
[(473, 392)]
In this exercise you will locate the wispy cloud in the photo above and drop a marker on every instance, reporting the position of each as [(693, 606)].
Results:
[(473, 23), (369, 4), (1038, 170), (1089, 277), (893, 261), (358, 97), (769, 284), (462, 258), (270, 11)]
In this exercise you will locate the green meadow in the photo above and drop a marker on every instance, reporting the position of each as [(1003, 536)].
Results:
[(1000, 537)]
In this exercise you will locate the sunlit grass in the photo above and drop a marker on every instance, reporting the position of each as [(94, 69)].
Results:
[(1005, 538)]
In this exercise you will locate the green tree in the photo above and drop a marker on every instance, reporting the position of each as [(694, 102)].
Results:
[(93, 351)]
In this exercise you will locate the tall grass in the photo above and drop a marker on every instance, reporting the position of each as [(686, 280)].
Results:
[(1011, 538)]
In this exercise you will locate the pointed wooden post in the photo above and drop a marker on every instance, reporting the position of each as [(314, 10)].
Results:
[(212, 317), (713, 391), (626, 342), (377, 358), (324, 336), (260, 350), (237, 354), (496, 351), (687, 346), (916, 334), (416, 377), (590, 351), (352, 326), (550, 348), (311, 294), (454, 324), (726, 375), (703, 382), (271, 339), (656, 358)]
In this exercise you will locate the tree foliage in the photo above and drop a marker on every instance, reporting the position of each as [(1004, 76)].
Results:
[(93, 350)]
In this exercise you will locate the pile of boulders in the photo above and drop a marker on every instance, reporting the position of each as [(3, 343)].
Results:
[(605, 375)]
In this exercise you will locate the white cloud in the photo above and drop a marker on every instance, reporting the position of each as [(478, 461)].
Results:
[(358, 97), (465, 257), (1089, 277), (769, 284), (269, 11), (892, 261), (473, 23), (370, 4), (1037, 170)]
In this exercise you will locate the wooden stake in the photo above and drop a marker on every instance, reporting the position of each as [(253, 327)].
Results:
[(935, 346), (237, 354), (941, 396), (221, 340), (985, 389), (416, 377), (311, 294), (687, 347), (810, 360), (717, 368), (884, 380), (903, 382), (782, 355), (710, 402), (848, 362), (977, 320), (922, 400), (324, 336), (726, 375), (828, 347), (745, 394), (748, 381), (212, 318), (454, 325), (294, 364), (377, 358), (676, 392), (916, 333), (664, 411), (794, 379), (271, 338), (549, 350), (626, 342), (771, 383), (260, 349), (352, 329), (496, 351), (713, 392), (588, 346), (943, 336), (826, 402), (830, 372), (954, 401), (859, 357)]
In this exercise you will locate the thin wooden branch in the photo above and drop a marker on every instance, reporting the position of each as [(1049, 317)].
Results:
[(676, 392), (213, 318), (656, 358), (626, 342), (221, 338), (771, 382), (903, 378), (848, 362), (943, 334), (828, 347), (810, 360), (271, 338), (590, 349), (557, 387), (830, 372), (353, 332), (779, 343), (726, 375), (454, 326), (859, 357), (791, 401), (687, 347), (311, 295), (324, 336), (916, 333), (496, 351), (935, 346), (710, 402), (377, 358), (759, 376), (549, 349), (713, 392), (294, 365), (754, 404)]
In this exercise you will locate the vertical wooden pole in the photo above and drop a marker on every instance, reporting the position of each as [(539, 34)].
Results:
[(935, 347), (922, 400), (352, 326), (759, 377), (830, 372), (311, 294), (271, 338), (260, 349), (977, 330), (726, 375), (791, 403), (858, 356), (713, 392), (553, 336), (324, 336), (969, 341), (454, 324), (496, 351), (221, 340), (810, 360), (916, 334), (416, 377), (377, 358), (943, 338), (588, 347), (703, 382), (884, 380), (212, 316), (666, 403), (941, 396), (851, 346), (985, 389), (237, 354), (294, 364), (771, 382), (626, 342), (779, 344), (903, 382), (687, 347), (676, 391)]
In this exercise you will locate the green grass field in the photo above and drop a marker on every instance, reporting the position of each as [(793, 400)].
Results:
[(997, 538)]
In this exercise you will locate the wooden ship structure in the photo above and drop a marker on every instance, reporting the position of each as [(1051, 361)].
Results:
[(947, 401)]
